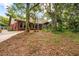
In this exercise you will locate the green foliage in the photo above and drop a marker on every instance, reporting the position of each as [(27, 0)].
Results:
[(65, 17), (19, 9), (10, 12), (9, 28), (3, 21), (74, 36)]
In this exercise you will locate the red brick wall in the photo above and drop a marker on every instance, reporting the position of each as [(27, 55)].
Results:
[(14, 26)]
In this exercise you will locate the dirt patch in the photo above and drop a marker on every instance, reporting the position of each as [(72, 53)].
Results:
[(38, 43)]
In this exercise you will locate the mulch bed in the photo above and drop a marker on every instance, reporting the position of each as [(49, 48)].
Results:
[(38, 44)]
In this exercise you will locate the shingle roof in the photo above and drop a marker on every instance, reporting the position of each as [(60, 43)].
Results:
[(38, 21), (35, 21)]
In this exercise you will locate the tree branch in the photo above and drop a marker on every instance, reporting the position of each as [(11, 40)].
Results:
[(34, 6)]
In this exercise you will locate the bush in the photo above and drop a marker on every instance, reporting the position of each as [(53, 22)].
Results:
[(9, 28), (0, 30)]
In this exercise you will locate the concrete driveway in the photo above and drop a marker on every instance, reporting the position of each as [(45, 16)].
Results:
[(8, 34)]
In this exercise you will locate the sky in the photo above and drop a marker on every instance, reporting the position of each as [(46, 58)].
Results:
[(3, 9), (40, 1), (39, 14)]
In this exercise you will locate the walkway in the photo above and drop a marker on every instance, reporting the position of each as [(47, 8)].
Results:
[(8, 34)]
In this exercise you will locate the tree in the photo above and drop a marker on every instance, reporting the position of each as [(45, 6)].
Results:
[(10, 13), (64, 16), (3, 21), (20, 10), (33, 12), (27, 16)]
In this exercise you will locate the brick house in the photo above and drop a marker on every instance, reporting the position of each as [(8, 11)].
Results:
[(18, 24)]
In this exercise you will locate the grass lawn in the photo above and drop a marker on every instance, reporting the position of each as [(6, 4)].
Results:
[(70, 35), (41, 43)]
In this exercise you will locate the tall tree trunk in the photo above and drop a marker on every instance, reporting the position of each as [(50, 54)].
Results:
[(35, 25), (27, 17), (9, 20)]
